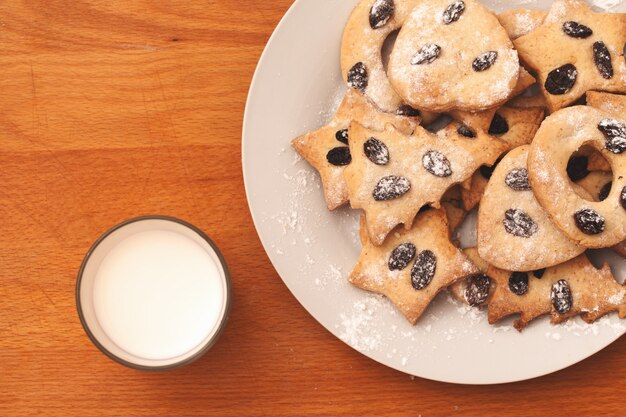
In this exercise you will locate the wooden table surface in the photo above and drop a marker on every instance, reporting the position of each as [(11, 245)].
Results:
[(111, 109)]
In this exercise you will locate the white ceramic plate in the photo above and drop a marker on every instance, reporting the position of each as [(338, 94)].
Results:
[(296, 88)]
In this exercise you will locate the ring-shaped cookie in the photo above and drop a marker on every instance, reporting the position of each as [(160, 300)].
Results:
[(361, 48), (594, 224)]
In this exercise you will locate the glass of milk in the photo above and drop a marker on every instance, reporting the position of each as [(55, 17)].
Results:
[(153, 293)]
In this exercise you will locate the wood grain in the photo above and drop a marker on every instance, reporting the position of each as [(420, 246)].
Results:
[(115, 108)]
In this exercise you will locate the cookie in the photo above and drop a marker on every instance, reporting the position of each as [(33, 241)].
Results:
[(590, 224), (326, 149), (413, 265), (453, 55), (392, 175), (482, 119), (598, 185), (516, 126), (476, 289), (613, 104), (563, 291), (520, 22), (528, 101), (471, 196), (576, 50), (362, 66), (514, 232)]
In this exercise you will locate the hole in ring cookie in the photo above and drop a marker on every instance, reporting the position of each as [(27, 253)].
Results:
[(591, 174)]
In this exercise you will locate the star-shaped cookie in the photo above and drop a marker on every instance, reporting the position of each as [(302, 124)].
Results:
[(576, 50), (392, 175), (326, 149), (412, 266)]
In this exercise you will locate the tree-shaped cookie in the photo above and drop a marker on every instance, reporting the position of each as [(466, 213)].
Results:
[(514, 232), (566, 290), (453, 55), (520, 22), (476, 289), (413, 265), (392, 175), (326, 149), (576, 50)]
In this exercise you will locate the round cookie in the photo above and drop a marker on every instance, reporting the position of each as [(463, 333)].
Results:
[(453, 55), (361, 48), (514, 232), (591, 224)]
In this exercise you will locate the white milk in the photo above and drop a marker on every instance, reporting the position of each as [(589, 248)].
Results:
[(158, 294)]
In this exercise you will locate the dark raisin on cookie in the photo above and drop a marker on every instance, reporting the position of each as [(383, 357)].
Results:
[(589, 221), (561, 296), (602, 58), (577, 30), (437, 164), (518, 223), (622, 198), (339, 156), (484, 61), (498, 126), (391, 187), (426, 55), (477, 289), (577, 167), (342, 136), (423, 270), (357, 76), (539, 273), (615, 135), (517, 179), (376, 151), (466, 131), (380, 13), (604, 191), (401, 256), (518, 283), (561, 80), (453, 12), (408, 111)]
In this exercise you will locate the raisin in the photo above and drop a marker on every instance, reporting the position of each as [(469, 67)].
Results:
[(423, 270), (622, 198), (408, 111), (401, 256), (518, 283), (589, 221), (615, 135), (602, 58), (561, 80), (519, 224), (339, 156), (561, 296), (484, 61), (499, 125), (342, 136), (517, 179), (357, 76), (437, 164), (453, 12), (391, 187), (539, 273), (604, 191), (376, 151), (380, 13), (477, 289), (427, 54), (577, 168), (577, 30), (466, 131)]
